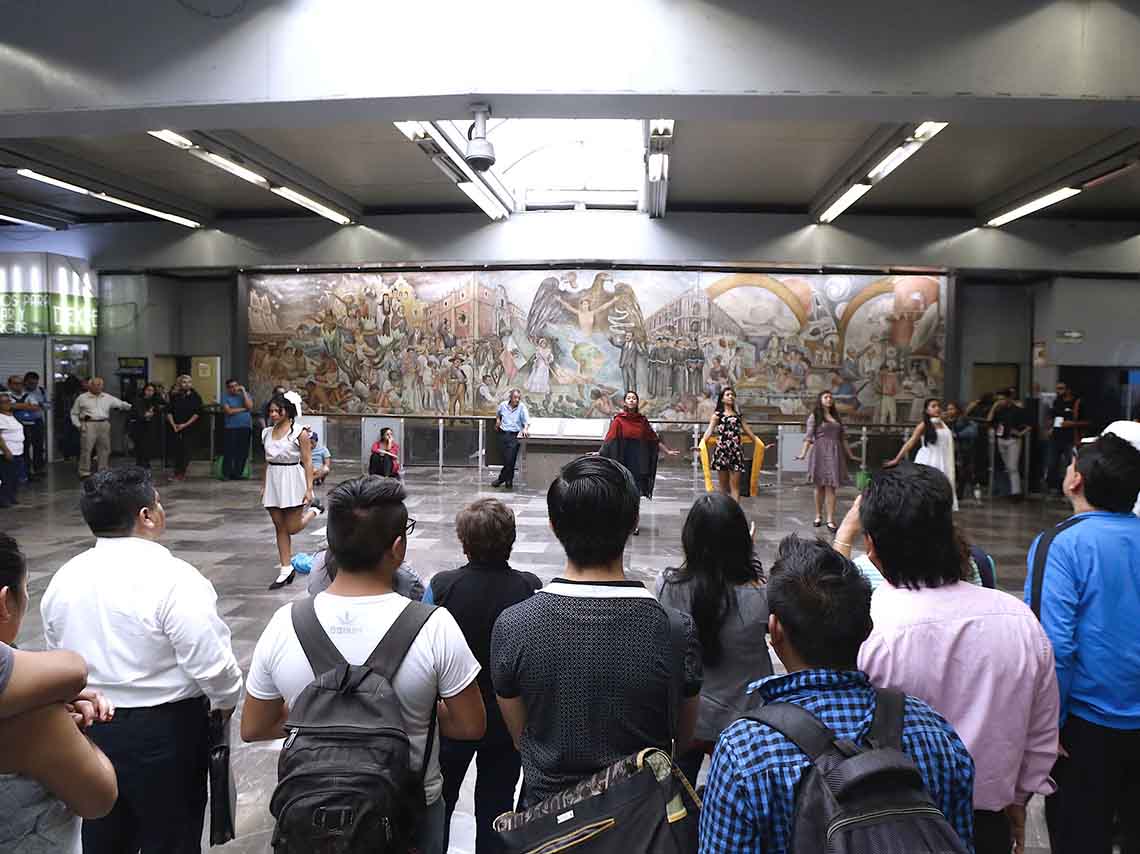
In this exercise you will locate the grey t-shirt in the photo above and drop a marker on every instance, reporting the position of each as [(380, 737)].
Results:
[(5, 666), (744, 660), (405, 582)]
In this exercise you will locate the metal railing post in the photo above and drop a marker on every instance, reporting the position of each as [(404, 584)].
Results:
[(779, 456), (695, 451), (441, 449), (482, 447), (993, 461), (863, 448)]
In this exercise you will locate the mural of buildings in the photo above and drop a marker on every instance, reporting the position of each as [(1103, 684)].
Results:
[(455, 342)]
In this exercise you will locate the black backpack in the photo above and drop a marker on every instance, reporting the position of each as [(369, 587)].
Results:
[(860, 799), (344, 779)]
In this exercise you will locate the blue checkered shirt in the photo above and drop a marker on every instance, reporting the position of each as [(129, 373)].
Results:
[(750, 799)]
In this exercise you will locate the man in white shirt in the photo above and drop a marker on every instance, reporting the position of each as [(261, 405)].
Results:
[(91, 415), (11, 449), (368, 527), (148, 627)]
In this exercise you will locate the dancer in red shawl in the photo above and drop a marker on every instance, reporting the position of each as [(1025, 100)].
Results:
[(633, 442)]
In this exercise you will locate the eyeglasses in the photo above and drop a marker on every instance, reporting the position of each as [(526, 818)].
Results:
[(411, 526)]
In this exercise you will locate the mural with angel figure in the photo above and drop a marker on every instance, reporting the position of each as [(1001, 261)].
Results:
[(573, 341)]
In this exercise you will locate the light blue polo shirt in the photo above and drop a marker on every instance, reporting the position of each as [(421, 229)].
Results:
[(513, 420)]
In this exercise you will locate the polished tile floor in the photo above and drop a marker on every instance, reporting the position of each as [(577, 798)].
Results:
[(221, 529)]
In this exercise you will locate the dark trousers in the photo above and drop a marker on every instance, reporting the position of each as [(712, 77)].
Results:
[(381, 464), (510, 443), (497, 768), (34, 448), (9, 480), (180, 450), (234, 452), (1099, 780), (144, 436), (161, 757), (991, 832), (1058, 455)]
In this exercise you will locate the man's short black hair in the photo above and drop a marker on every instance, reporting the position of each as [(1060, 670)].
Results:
[(822, 601), (593, 507), (908, 512), (1110, 467), (111, 499), (230, 380), (366, 515)]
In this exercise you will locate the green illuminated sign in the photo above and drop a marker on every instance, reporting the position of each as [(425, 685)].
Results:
[(47, 314)]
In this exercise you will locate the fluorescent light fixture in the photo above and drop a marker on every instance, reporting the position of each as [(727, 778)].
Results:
[(312, 204), (17, 221), (854, 193), (1035, 205), (227, 165), (172, 138), (590, 198), (490, 205), (661, 127), (928, 130), (893, 160), (55, 182), (412, 130), (115, 200), (658, 167)]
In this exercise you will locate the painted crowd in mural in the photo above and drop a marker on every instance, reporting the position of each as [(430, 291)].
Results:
[(455, 342)]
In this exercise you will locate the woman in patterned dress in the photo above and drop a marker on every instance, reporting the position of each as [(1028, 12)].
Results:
[(827, 467), (728, 456)]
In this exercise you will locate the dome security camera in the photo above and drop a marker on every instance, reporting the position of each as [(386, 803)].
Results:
[(480, 152)]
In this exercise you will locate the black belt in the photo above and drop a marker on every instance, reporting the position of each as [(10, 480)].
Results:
[(96, 420), (165, 708), (283, 464)]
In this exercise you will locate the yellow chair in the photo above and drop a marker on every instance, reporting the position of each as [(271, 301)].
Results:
[(757, 463)]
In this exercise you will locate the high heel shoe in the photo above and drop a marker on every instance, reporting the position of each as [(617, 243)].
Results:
[(817, 523), (284, 578), (831, 527)]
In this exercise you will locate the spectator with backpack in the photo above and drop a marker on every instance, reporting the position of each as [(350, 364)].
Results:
[(995, 682), (352, 679), (586, 671), (476, 594), (900, 779), (1084, 584)]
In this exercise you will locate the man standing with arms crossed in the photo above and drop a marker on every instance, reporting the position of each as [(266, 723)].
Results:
[(511, 421), (91, 414), (237, 406)]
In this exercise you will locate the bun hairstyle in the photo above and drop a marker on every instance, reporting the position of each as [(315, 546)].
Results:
[(282, 402)]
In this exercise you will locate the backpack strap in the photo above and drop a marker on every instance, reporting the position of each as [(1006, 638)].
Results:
[(797, 724), (393, 647), (985, 566), (1039, 557), (887, 724), (319, 649)]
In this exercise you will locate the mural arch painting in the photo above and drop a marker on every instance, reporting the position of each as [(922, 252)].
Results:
[(453, 342)]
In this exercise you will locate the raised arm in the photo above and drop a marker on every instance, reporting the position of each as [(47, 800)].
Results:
[(909, 445), (709, 429)]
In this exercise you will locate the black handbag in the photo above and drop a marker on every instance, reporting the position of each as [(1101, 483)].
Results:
[(223, 792), (641, 804)]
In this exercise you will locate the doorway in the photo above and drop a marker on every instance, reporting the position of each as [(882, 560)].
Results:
[(988, 377)]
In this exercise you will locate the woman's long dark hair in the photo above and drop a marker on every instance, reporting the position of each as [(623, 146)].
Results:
[(929, 435), (817, 412), (720, 400), (718, 558), (285, 405)]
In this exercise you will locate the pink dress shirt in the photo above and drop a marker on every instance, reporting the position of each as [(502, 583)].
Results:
[(982, 660)]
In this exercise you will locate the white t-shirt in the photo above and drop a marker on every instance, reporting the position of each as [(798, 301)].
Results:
[(12, 431), (438, 663)]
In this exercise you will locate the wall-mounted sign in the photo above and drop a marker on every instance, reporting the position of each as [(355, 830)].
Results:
[(1070, 336), (44, 294)]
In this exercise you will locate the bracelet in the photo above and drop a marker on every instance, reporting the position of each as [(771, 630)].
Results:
[(840, 544)]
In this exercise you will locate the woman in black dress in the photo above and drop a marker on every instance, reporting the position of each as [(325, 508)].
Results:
[(728, 456), (146, 421)]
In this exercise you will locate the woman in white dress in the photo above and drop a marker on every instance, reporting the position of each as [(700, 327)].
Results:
[(937, 441), (288, 490)]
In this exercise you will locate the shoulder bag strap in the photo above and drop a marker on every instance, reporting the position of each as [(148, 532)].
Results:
[(887, 724), (1039, 557), (321, 652), (799, 725)]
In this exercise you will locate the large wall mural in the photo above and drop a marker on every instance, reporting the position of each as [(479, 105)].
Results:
[(454, 342)]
